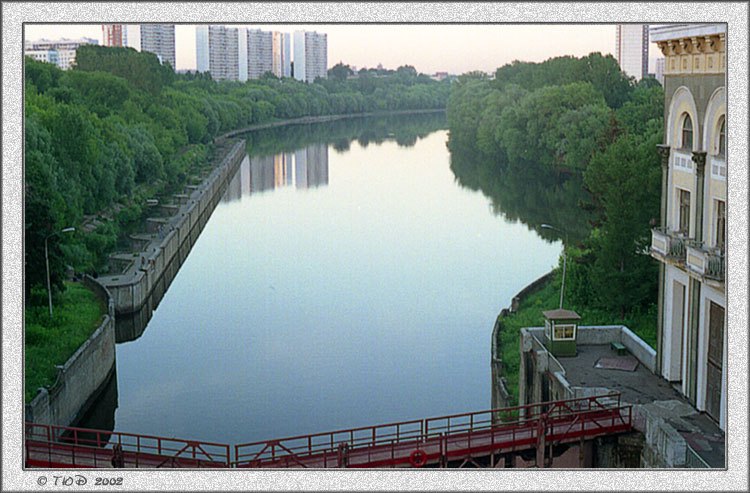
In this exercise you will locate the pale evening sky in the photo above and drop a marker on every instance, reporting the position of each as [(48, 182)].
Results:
[(428, 47)]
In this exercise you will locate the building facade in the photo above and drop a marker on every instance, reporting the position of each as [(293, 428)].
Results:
[(258, 45), (61, 51), (217, 51), (159, 39), (632, 49), (114, 35), (282, 54), (310, 55), (690, 243)]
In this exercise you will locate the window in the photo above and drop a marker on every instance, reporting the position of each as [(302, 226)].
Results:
[(687, 132), (721, 224), (722, 144), (684, 212), (565, 332)]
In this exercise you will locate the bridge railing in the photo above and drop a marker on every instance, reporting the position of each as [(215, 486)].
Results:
[(83, 447), (330, 446), (323, 444)]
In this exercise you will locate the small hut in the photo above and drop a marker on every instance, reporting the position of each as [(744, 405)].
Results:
[(560, 331)]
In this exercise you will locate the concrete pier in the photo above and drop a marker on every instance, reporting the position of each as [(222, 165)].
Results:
[(171, 236)]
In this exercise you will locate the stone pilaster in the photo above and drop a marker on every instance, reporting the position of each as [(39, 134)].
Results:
[(663, 150), (699, 158)]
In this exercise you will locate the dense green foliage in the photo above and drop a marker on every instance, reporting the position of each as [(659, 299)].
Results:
[(51, 342), (121, 128), (569, 142)]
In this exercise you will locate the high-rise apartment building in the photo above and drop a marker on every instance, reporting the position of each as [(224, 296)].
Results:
[(632, 49), (217, 51), (159, 39), (282, 56), (310, 55), (61, 51), (114, 35), (255, 53)]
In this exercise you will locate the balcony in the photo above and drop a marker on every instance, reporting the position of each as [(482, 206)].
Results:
[(705, 263), (668, 246)]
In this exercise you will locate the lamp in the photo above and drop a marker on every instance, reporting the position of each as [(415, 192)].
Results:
[(46, 259)]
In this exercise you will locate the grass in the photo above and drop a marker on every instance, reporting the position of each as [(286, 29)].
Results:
[(529, 314), (48, 342)]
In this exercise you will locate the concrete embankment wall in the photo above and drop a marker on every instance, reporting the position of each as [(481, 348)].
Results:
[(80, 379), (176, 236)]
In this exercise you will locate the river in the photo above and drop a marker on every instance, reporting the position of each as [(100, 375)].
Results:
[(345, 279)]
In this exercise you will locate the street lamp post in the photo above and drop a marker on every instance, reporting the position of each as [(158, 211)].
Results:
[(565, 258), (46, 260)]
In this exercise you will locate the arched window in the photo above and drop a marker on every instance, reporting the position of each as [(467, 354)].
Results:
[(722, 144), (687, 132)]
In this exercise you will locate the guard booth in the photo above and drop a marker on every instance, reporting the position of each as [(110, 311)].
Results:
[(560, 331)]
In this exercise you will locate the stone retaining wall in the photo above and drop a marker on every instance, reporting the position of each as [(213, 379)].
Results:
[(176, 237), (81, 378)]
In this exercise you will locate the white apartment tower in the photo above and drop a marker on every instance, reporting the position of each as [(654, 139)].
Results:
[(632, 49), (159, 39), (217, 51), (282, 56), (258, 45), (310, 55)]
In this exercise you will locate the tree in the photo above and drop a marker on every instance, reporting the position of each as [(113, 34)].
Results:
[(625, 180), (340, 72), (142, 69)]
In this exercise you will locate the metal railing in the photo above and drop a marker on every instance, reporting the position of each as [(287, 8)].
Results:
[(406, 443), (668, 243), (440, 437), (708, 262), (60, 446)]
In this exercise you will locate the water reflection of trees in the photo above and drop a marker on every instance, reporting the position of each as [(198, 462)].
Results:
[(405, 130), (529, 194)]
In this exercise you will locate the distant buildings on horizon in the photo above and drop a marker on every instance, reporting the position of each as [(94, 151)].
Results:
[(155, 38), (310, 56), (632, 49), (239, 53), (227, 53), (61, 52)]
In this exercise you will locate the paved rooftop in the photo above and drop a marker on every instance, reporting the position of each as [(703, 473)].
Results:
[(656, 395), (637, 387)]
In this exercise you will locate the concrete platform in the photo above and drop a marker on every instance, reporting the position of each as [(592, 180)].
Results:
[(637, 387), (656, 399)]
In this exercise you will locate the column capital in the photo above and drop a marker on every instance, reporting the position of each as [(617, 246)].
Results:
[(663, 150), (699, 158)]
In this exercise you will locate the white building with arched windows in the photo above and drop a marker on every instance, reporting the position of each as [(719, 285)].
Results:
[(690, 242)]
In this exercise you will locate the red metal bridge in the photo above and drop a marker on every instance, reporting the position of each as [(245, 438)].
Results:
[(476, 439)]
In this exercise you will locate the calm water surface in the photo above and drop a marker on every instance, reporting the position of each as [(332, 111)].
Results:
[(330, 289)]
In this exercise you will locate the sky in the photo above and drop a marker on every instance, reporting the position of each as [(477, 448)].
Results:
[(429, 48)]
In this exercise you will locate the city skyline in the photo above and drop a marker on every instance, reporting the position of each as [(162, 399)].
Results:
[(452, 48)]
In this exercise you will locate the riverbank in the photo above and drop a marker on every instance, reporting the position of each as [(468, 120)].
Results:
[(80, 379), (321, 119)]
